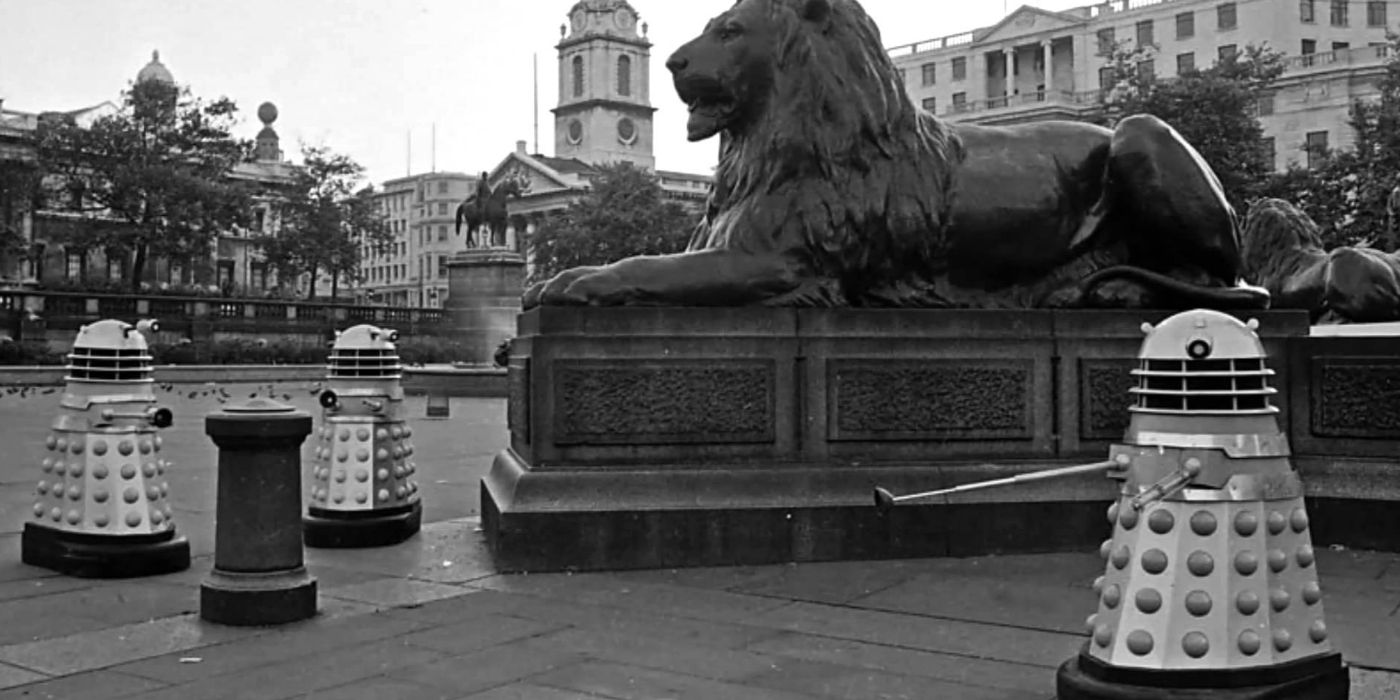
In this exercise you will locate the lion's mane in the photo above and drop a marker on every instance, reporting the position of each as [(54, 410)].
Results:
[(862, 175), (1278, 242)]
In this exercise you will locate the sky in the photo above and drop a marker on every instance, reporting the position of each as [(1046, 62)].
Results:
[(376, 79)]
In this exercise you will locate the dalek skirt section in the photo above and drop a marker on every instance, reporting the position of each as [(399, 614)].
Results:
[(102, 504), (364, 491), (1210, 587)]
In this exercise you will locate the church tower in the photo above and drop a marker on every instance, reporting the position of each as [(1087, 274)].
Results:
[(604, 113)]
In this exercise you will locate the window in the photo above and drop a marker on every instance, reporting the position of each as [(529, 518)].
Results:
[(1375, 13), (114, 266), (442, 266), (1226, 53), (1269, 152), (959, 101), (1185, 63), (442, 208), (442, 233), (931, 104), (74, 267), (930, 74), (578, 76), (1266, 104), (442, 187), (1339, 13), (1309, 47), (1340, 45), (259, 270), (1225, 16), (1317, 148), (624, 75), (1146, 69), (259, 219), (1106, 78), (1107, 41), (960, 68), (1145, 34), (1186, 25), (1307, 11)]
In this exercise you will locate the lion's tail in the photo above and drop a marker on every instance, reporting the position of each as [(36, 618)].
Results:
[(1240, 297)]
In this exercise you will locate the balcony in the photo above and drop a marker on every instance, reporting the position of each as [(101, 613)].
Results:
[(1034, 103), (1361, 57)]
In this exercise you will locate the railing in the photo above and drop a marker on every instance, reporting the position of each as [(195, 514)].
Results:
[(1044, 97), (942, 42), (1346, 57)]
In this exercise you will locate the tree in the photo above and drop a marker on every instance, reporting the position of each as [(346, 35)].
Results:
[(325, 220), (625, 213), (19, 191), (151, 179), (1214, 109)]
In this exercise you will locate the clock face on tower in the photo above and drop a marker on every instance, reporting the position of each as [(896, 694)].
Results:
[(626, 131), (575, 131), (625, 19), (577, 19)]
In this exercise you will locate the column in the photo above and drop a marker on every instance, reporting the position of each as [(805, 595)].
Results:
[(1008, 59), (1048, 47)]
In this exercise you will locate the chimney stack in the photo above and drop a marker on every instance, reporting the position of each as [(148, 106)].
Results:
[(520, 147)]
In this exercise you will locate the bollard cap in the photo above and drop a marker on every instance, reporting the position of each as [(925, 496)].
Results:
[(258, 418)]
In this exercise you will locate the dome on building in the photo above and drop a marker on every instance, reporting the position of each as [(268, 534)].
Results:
[(155, 70)]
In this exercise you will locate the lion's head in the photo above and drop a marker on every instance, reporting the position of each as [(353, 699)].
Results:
[(820, 145), (1277, 238)]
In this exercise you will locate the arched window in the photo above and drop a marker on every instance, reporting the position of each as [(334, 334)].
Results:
[(624, 75), (578, 76)]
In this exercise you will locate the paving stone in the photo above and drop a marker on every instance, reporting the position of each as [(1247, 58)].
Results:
[(1364, 628), (836, 582), (109, 647), (464, 607), (1034, 647), (708, 662), (478, 633), (396, 592), (1367, 684), (966, 670), (92, 685), (488, 668), (1011, 601), (626, 682), (603, 589), (450, 551), (11, 676), (292, 677), (275, 645), (41, 617), (1352, 563), (33, 587), (382, 689), (829, 680), (643, 624), (526, 691), (126, 601)]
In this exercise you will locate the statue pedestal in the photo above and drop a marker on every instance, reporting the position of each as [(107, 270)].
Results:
[(664, 437), (483, 298)]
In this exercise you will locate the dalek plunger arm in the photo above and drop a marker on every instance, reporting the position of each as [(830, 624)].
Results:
[(884, 499)]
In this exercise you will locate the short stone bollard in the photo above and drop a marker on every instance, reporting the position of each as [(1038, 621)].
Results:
[(259, 576)]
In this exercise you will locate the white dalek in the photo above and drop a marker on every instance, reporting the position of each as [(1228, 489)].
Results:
[(102, 504), (363, 488)]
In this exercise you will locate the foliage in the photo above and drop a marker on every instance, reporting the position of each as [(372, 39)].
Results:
[(413, 351), (150, 179), (28, 352), (19, 190), (1346, 195), (324, 220), (1214, 109), (624, 214)]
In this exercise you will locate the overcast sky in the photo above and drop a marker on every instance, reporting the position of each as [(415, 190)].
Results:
[(360, 75)]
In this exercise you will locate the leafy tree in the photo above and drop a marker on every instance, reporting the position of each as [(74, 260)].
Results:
[(150, 179), (325, 217), (625, 213), (19, 191), (1214, 109)]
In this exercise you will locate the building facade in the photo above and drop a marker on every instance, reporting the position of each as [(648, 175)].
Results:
[(1036, 64), (420, 211)]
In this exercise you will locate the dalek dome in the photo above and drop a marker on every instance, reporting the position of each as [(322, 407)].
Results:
[(1201, 334)]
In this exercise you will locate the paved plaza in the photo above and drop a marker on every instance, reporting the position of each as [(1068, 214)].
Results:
[(430, 618)]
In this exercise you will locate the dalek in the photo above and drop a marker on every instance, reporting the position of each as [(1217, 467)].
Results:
[(363, 487), (1210, 587), (102, 505)]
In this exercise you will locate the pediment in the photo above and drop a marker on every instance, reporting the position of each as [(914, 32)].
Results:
[(1027, 21), (539, 179)]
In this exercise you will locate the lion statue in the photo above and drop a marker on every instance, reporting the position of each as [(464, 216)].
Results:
[(834, 189), (1283, 253)]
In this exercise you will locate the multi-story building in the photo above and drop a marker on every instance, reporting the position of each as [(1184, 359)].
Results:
[(420, 211), (1036, 64)]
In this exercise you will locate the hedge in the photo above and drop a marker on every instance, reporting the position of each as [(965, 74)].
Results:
[(412, 351)]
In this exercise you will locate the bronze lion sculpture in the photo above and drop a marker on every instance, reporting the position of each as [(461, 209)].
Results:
[(1283, 253), (834, 189)]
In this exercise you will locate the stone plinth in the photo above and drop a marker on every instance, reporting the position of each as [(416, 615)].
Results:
[(645, 437), (483, 299)]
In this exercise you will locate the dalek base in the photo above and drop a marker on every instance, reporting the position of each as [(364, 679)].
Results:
[(103, 556), (334, 529), (1319, 678)]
